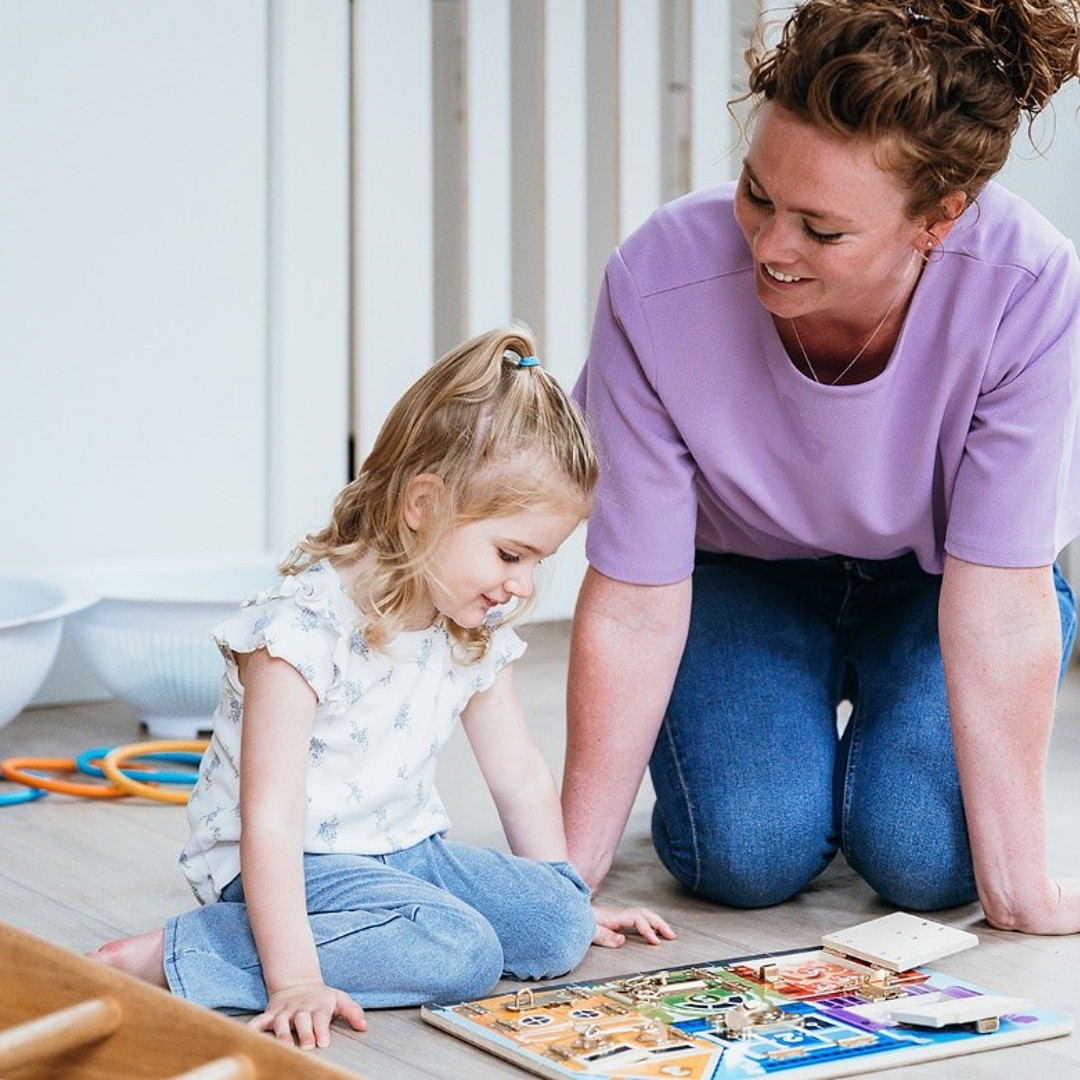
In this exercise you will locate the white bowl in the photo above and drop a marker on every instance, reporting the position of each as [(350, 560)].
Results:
[(148, 638), (33, 607)]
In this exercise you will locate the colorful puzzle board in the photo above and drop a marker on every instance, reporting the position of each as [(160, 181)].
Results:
[(800, 1015)]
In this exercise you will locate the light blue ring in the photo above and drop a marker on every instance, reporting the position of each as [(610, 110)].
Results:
[(16, 797), (84, 764), (529, 361)]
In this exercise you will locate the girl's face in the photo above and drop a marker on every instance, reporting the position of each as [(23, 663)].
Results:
[(484, 564), (825, 222)]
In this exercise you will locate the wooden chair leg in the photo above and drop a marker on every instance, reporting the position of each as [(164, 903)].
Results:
[(234, 1067), (60, 1031)]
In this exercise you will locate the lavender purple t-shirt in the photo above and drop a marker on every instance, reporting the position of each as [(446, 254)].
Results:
[(710, 438)]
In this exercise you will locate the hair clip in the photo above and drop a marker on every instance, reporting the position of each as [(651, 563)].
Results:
[(918, 25), (529, 361)]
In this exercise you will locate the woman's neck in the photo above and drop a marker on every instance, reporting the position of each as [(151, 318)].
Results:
[(832, 348)]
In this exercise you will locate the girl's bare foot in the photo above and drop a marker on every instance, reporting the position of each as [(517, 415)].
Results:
[(142, 956)]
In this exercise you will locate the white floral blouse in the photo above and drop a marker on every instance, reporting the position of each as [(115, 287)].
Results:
[(380, 720)]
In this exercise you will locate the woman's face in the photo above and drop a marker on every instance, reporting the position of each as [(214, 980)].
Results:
[(825, 221)]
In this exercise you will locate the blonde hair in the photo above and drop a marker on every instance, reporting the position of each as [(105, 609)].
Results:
[(945, 82), (500, 436)]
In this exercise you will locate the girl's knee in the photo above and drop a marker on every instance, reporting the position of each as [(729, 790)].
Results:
[(558, 935), (468, 965)]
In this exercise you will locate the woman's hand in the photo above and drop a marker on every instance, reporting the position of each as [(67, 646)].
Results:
[(645, 923), (305, 1010)]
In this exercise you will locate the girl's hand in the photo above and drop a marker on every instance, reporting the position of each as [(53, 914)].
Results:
[(306, 1011), (647, 924)]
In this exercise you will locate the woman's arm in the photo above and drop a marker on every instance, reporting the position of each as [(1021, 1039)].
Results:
[(1001, 647), (279, 713), (627, 644)]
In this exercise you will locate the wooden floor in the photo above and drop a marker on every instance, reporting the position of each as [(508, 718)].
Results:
[(79, 873)]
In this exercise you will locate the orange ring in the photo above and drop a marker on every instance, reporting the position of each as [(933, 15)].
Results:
[(111, 764), (13, 767)]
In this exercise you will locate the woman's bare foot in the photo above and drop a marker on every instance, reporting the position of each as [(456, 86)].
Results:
[(142, 956)]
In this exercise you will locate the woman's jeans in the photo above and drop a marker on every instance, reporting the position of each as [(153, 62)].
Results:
[(755, 790), (436, 922)]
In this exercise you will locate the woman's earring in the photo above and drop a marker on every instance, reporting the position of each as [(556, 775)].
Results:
[(931, 247)]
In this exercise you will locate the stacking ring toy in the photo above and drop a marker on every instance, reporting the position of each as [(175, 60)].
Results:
[(14, 769), (16, 797), (85, 764), (120, 755)]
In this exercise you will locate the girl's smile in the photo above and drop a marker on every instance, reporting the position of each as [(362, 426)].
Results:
[(485, 564)]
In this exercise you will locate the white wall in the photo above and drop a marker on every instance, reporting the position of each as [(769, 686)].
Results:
[(502, 149), (134, 263), (175, 282), (232, 232)]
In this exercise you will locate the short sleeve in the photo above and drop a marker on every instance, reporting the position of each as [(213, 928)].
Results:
[(505, 648), (297, 621), (1016, 500), (644, 517)]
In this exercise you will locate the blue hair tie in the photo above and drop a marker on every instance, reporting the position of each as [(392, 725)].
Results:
[(529, 361)]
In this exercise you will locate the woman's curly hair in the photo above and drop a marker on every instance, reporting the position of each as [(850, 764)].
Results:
[(944, 83)]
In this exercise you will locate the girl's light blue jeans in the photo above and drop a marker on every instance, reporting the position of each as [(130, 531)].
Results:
[(440, 921), (756, 792)]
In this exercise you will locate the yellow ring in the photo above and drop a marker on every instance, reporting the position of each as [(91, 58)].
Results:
[(113, 761)]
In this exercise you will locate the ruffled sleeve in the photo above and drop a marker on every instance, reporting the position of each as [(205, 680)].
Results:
[(300, 621), (505, 648)]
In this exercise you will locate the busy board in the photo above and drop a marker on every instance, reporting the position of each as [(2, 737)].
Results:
[(801, 1014)]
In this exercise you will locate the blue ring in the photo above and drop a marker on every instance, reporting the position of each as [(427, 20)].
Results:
[(16, 797), (84, 763)]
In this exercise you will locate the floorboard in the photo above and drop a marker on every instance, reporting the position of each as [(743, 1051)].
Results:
[(78, 872)]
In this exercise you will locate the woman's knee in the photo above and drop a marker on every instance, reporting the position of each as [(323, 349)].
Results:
[(915, 868), (924, 888), (744, 866)]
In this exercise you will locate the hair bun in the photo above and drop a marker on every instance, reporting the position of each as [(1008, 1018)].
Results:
[(1035, 44)]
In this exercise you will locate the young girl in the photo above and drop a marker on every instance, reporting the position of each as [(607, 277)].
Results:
[(317, 842)]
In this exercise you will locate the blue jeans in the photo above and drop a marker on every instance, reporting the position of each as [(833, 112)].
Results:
[(436, 922), (755, 790)]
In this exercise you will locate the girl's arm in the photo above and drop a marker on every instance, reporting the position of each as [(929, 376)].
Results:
[(1001, 647), (627, 643), (279, 713), (518, 777), (527, 799)]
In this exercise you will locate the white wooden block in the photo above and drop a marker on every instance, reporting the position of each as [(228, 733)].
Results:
[(899, 942), (950, 1010)]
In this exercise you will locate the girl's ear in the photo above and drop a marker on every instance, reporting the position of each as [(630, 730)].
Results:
[(422, 495)]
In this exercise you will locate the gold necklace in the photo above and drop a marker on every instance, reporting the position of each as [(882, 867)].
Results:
[(852, 362)]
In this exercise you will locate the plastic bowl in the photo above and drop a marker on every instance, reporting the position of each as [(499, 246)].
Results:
[(33, 607), (147, 639)]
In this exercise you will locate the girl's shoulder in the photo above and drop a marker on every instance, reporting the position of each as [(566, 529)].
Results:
[(317, 587), (313, 600), (306, 619)]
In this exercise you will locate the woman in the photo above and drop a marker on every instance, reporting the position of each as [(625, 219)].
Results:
[(837, 414)]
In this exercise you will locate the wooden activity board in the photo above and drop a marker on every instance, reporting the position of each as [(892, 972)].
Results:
[(858, 1003)]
